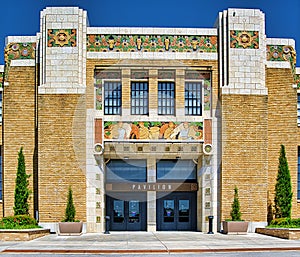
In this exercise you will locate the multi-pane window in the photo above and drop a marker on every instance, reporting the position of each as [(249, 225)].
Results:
[(193, 98), (298, 109), (166, 98), (112, 97), (139, 98)]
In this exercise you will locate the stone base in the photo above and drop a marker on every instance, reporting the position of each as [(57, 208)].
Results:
[(22, 234), (285, 233)]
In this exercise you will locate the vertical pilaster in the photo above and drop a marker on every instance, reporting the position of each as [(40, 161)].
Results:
[(180, 93), (63, 50), (151, 196), (153, 92), (126, 92)]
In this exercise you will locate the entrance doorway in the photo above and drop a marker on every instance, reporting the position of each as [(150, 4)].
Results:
[(176, 211), (128, 212)]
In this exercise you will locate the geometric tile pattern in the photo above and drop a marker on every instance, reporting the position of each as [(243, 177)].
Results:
[(284, 53), (1, 79), (61, 37), (15, 51), (151, 43), (244, 39)]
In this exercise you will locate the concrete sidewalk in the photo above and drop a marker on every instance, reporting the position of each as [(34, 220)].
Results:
[(147, 242)]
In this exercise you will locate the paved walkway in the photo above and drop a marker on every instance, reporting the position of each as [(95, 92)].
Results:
[(146, 242)]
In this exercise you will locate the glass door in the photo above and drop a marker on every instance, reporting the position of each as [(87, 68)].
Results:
[(176, 211), (118, 220), (126, 215)]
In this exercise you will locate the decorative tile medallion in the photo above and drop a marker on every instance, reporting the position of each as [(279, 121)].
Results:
[(1, 79), (18, 51), (284, 53), (280, 53), (61, 37), (244, 39), (151, 43), (15, 51), (154, 130)]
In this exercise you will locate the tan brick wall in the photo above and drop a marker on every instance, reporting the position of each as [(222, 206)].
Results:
[(61, 155), (244, 155), (19, 130), (282, 128)]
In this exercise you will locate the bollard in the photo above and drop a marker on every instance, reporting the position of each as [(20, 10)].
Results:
[(210, 225), (107, 222)]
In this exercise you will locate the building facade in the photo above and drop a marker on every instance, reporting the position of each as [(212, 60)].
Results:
[(153, 127)]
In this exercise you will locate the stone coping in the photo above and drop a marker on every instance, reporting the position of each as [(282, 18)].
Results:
[(22, 234), (285, 233)]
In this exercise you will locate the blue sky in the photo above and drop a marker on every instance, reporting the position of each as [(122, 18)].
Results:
[(23, 17)]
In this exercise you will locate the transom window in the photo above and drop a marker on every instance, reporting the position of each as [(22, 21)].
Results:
[(139, 98), (112, 97), (166, 98), (193, 98)]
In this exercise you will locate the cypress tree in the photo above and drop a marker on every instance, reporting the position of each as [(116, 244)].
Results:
[(22, 192), (235, 211), (70, 209), (283, 188)]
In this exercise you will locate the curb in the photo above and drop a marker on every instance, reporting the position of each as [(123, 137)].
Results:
[(140, 251)]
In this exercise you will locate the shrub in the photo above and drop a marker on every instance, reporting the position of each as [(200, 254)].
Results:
[(235, 212), (70, 209), (21, 206), (283, 188), (285, 223), (18, 222)]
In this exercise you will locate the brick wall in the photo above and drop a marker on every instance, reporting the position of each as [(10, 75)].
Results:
[(19, 130), (244, 155), (282, 128), (61, 155)]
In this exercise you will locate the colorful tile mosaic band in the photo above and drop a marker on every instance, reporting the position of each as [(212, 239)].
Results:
[(61, 38), (15, 51), (244, 39), (1, 79), (281, 53), (151, 43), (155, 130)]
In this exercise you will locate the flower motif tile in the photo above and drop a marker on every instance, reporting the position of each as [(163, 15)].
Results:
[(284, 53), (15, 51), (1, 79), (244, 39), (61, 38), (151, 43)]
